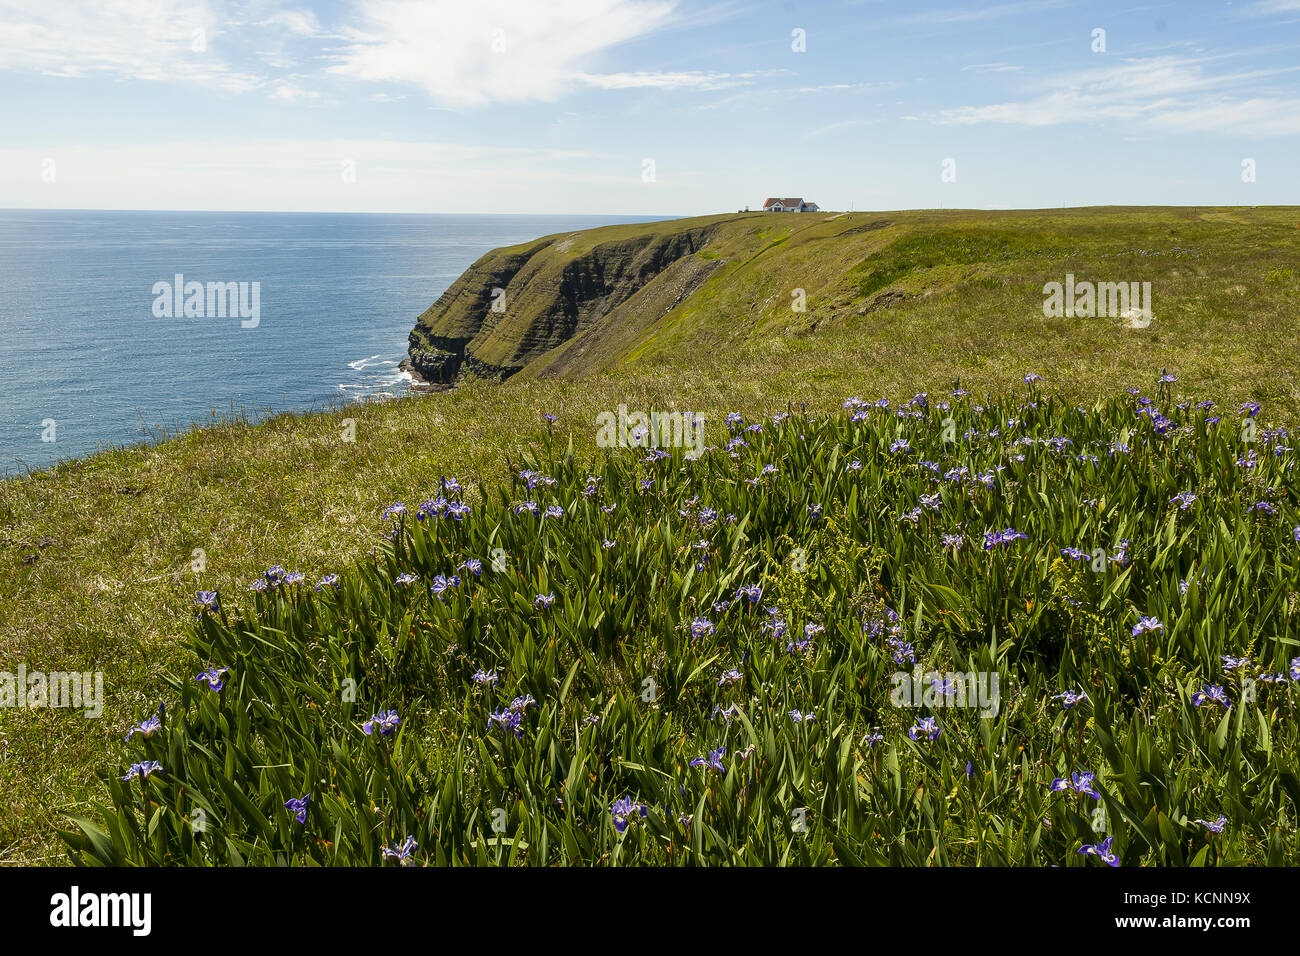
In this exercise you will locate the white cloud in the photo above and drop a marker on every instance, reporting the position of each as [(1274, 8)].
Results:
[(309, 174), (978, 12), (161, 40), (467, 54), (1172, 94), (1271, 7), (666, 81), (779, 97), (301, 23)]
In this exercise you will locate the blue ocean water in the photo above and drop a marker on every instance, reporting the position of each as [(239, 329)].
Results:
[(81, 347)]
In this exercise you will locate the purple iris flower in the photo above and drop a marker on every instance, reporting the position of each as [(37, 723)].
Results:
[(484, 677), (146, 728), (1080, 783), (1231, 663), (1146, 624), (443, 583), (947, 688), (927, 726), (386, 721), (207, 601), (298, 807), (400, 851), (1007, 535), (727, 712), (750, 594), (509, 720), (544, 601), (406, 578), (713, 760), (624, 810), (1211, 693), (1215, 827), (144, 768), (212, 677), (1069, 698), (433, 508), (394, 511), (729, 677), (802, 718), (1102, 851), (702, 627)]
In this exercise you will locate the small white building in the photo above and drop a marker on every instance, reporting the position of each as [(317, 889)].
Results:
[(788, 205)]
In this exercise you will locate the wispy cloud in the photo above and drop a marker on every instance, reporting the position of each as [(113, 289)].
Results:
[(1170, 94), (978, 12), (297, 173), (992, 68), (163, 40), (833, 128), (1266, 8), (465, 54), (781, 95), (666, 81)]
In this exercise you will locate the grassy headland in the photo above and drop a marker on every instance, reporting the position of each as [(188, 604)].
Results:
[(97, 556)]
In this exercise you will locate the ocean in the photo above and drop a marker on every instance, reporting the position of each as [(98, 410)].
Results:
[(97, 347)]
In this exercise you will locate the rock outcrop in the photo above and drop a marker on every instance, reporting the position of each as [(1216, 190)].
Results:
[(514, 305)]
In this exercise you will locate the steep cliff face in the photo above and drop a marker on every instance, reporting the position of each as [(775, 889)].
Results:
[(515, 305), (582, 302)]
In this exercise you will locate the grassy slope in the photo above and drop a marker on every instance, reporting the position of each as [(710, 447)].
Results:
[(112, 587)]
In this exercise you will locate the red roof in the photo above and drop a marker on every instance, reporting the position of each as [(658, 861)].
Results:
[(796, 203)]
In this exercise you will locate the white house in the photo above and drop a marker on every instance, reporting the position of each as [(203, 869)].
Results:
[(788, 205)]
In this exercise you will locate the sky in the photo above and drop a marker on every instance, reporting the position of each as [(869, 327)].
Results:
[(646, 107)]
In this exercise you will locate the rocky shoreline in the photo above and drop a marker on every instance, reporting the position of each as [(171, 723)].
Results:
[(418, 382)]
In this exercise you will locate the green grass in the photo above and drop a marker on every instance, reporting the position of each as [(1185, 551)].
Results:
[(652, 678), (96, 555)]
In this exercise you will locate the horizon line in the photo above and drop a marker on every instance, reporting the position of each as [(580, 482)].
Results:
[(661, 216)]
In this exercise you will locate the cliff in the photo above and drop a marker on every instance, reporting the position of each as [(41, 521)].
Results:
[(515, 305), (655, 293)]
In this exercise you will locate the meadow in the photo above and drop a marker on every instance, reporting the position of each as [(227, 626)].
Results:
[(101, 559), (636, 657)]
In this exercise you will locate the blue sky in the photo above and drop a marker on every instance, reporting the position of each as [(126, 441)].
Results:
[(645, 106)]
